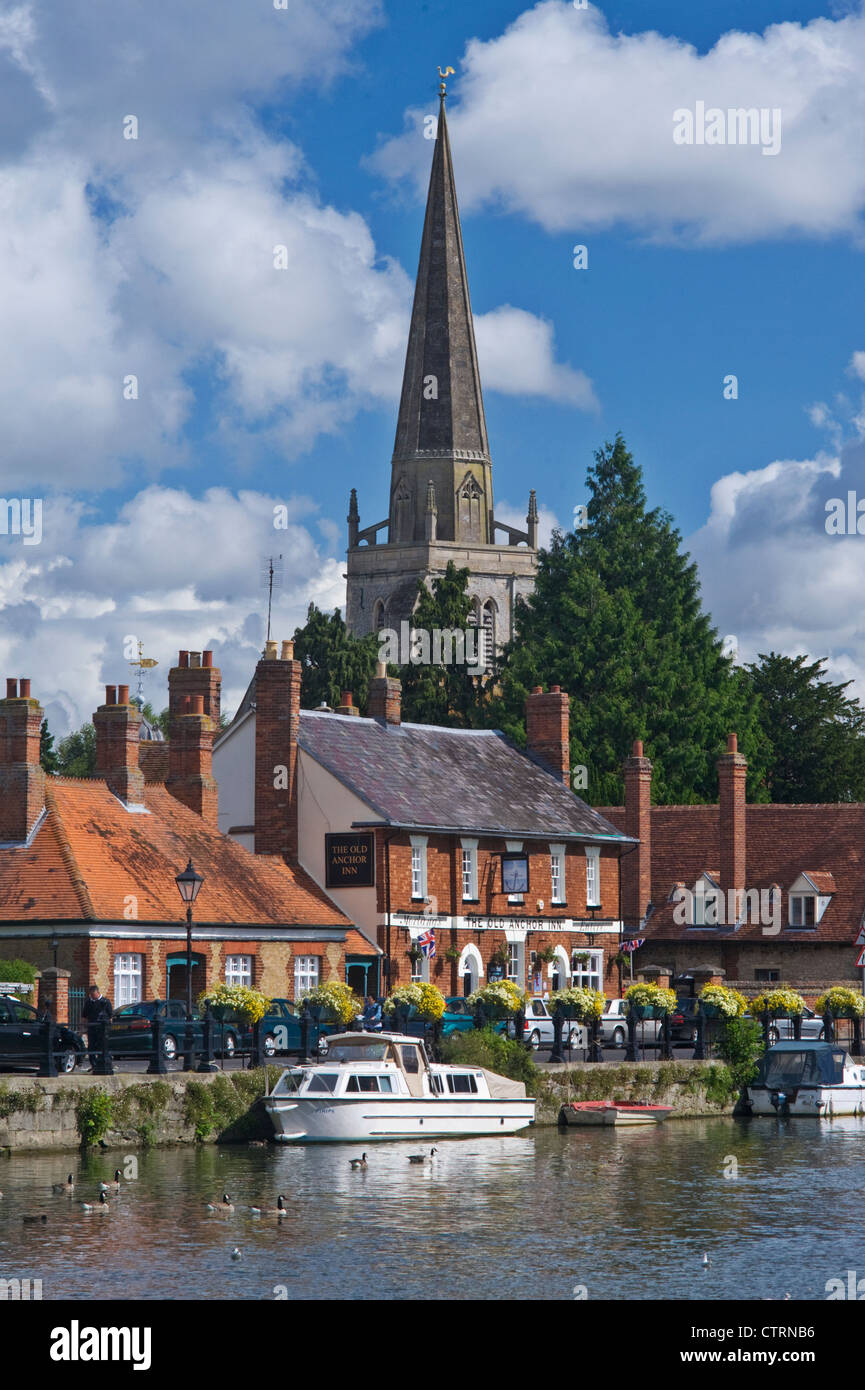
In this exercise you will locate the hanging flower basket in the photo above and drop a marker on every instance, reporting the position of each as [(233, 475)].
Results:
[(778, 1003), (499, 1000), (578, 1004), (719, 1001), (841, 1002), (649, 1001)]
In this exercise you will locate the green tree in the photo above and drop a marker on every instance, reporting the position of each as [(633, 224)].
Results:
[(813, 733), (616, 620), (47, 755), (333, 660), (76, 753), (447, 694)]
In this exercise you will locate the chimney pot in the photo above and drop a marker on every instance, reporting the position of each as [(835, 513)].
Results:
[(195, 659), (11, 688), (183, 659), (538, 690), (207, 658), (270, 651), (24, 688), (732, 743), (111, 694), (287, 653), (380, 670), (345, 698), (555, 689), (197, 704), (638, 748), (123, 694)]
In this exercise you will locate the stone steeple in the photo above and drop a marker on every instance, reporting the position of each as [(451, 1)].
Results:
[(441, 433), (441, 493)]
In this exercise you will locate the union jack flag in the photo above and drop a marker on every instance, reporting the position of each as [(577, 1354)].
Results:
[(427, 942), (634, 945)]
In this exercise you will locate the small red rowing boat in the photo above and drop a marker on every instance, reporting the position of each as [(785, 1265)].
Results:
[(611, 1112)]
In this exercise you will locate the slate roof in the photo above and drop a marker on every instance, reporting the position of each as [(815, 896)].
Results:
[(419, 776), (89, 854), (781, 843)]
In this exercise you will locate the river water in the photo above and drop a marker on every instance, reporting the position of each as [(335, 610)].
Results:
[(600, 1214)]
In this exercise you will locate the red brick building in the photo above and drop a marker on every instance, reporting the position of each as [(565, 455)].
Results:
[(755, 894), (453, 831), (87, 866)]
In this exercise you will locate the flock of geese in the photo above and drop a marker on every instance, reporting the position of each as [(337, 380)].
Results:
[(358, 1163), (67, 1189)]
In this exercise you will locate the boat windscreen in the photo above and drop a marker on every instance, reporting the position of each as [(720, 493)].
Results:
[(783, 1071), (360, 1051)]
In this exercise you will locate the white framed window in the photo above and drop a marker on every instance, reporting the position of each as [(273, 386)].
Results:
[(516, 955), (128, 979), (469, 869), (587, 968), (557, 874), (593, 878), (803, 910), (306, 974), (514, 847), (238, 970), (418, 866)]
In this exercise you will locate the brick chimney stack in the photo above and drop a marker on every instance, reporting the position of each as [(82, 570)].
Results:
[(548, 730), (732, 771), (384, 700), (636, 864), (22, 781), (277, 722), (118, 726), (193, 708)]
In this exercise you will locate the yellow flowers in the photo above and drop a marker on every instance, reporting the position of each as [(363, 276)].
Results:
[(585, 1005), (841, 1002), (428, 1000), (337, 998), (728, 1002), (503, 995), (778, 1001), (663, 1001), (249, 1004)]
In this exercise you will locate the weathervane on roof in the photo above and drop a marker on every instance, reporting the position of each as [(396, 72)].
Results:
[(144, 663), (447, 72)]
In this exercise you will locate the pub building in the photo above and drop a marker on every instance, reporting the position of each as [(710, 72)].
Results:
[(426, 836)]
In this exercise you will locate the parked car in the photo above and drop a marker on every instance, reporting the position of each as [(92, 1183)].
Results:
[(281, 1030), (683, 1020), (538, 1027), (459, 1017), (781, 1029), (130, 1029), (614, 1025), (21, 1035)]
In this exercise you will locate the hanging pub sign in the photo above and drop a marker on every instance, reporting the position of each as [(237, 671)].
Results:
[(349, 861), (515, 873)]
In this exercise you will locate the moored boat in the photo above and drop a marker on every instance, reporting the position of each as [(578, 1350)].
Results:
[(611, 1112), (815, 1079), (384, 1086)]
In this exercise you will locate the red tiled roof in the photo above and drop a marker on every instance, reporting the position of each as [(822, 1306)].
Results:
[(780, 842), (91, 857)]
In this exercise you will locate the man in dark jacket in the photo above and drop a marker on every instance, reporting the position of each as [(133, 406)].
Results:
[(97, 1009)]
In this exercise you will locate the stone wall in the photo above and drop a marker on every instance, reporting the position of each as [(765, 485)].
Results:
[(691, 1088), (140, 1110)]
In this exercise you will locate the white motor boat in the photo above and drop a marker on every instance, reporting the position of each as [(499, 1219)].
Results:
[(817, 1079), (384, 1086)]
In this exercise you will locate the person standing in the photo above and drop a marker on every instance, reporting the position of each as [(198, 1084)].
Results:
[(371, 1016), (96, 1010)]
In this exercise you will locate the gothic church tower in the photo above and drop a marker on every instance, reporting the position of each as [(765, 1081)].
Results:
[(441, 492)]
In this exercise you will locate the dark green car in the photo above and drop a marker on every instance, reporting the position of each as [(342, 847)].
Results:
[(280, 1030), (130, 1030)]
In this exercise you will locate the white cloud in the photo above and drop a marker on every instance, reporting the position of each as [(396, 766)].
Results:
[(570, 125), (516, 353), (516, 517), (176, 571), (856, 366)]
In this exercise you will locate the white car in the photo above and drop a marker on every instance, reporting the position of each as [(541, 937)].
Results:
[(538, 1028), (614, 1025)]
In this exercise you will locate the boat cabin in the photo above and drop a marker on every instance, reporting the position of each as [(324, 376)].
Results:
[(384, 1064), (790, 1065)]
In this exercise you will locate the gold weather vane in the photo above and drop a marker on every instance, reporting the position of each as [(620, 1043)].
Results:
[(447, 72)]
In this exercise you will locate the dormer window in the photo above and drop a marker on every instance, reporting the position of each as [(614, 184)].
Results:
[(707, 903), (803, 910)]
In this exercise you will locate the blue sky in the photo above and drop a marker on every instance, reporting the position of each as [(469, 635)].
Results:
[(153, 257)]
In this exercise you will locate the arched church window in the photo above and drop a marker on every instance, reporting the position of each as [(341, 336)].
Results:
[(469, 502), (378, 615), (402, 512)]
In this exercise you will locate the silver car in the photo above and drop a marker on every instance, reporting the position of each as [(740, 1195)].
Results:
[(614, 1025), (538, 1028), (781, 1029)]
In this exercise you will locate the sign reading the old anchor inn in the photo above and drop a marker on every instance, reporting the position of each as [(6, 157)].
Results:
[(349, 861)]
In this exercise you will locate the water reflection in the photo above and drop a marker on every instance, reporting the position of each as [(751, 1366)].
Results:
[(627, 1213)]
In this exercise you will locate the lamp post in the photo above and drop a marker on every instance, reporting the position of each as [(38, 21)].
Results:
[(189, 884)]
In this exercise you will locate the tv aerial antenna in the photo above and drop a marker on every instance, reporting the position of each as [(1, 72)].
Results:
[(144, 663), (272, 577)]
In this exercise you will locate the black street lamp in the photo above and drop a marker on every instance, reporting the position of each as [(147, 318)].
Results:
[(189, 884)]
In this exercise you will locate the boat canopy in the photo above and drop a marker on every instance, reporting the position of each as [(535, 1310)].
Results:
[(790, 1064)]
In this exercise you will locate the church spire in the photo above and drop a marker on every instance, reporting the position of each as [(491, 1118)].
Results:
[(441, 413)]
